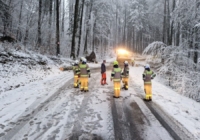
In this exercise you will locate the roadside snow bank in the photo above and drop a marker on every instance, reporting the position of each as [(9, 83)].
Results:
[(184, 110), (18, 68), (18, 105)]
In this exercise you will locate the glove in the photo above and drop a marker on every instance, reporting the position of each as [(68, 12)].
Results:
[(89, 75), (110, 79)]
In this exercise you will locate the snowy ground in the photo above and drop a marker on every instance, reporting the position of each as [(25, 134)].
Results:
[(185, 111), (18, 68), (70, 114), (50, 108)]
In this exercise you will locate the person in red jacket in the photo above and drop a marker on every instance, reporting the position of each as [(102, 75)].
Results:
[(103, 73)]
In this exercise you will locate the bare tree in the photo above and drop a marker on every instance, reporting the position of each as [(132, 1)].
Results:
[(19, 37), (80, 28), (39, 24), (74, 30), (57, 29)]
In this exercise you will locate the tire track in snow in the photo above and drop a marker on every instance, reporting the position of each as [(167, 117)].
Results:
[(31, 112), (131, 121), (58, 118), (87, 119), (125, 124), (171, 125)]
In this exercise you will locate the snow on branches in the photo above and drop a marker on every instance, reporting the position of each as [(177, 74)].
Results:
[(155, 49), (177, 67)]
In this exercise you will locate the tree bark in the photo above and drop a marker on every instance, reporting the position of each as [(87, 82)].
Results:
[(172, 25), (20, 17), (39, 24), (164, 23), (57, 29), (63, 18), (87, 31), (178, 35), (27, 31), (10, 19), (196, 38), (168, 24), (116, 32), (50, 23), (74, 30), (124, 36), (93, 37), (80, 29)]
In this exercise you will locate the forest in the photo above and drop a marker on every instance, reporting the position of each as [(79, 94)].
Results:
[(166, 30)]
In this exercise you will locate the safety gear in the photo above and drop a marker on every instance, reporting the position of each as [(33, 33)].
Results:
[(84, 60), (76, 77), (116, 77), (148, 92), (153, 76), (76, 81), (115, 63), (84, 71), (125, 77), (126, 62), (76, 62), (147, 66), (133, 62), (125, 82), (147, 76), (116, 74), (81, 59), (125, 72), (84, 83)]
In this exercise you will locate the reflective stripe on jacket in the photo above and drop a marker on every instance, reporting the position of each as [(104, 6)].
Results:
[(147, 76), (116, 74), (75, 69), (84, 70), (125, 72)]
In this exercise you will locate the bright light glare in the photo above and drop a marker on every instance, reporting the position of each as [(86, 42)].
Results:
[(122, 51)]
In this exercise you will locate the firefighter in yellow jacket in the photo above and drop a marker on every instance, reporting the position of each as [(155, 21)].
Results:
[(133, 61), (148, 75), (84, 72), (125, 75), (116, 77), (76, 77)]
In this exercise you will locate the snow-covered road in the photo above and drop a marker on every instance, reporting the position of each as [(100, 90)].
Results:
[(53, 110), (69, 115)]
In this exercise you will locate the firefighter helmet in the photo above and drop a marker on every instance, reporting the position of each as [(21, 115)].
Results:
[(115, 63), (84, 60), (76, 62), (147, 66), (126, 62)]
